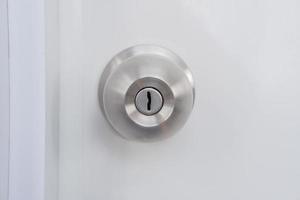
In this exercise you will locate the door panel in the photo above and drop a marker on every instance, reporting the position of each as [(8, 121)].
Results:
[(242, 139)]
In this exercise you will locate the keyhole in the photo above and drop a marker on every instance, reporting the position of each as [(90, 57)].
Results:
[(149, 101)]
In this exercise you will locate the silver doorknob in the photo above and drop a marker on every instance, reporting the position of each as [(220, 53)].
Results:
[(146, 93)]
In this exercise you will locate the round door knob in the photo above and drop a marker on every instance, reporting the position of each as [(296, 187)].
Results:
[(146, 93)]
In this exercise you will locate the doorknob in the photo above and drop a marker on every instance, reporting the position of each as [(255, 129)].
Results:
[(146, 93)]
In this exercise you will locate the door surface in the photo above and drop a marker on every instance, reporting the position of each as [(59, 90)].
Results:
[(242, 138)]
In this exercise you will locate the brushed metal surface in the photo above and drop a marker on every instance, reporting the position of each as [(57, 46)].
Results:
[(139, 67)]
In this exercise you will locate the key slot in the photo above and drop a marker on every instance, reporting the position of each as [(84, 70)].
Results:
[(149, 101)]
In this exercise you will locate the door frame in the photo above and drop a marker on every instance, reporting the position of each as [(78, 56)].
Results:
[(26, 92), (4, 100)]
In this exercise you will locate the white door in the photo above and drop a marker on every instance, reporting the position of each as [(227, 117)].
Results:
[(242, 140)]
